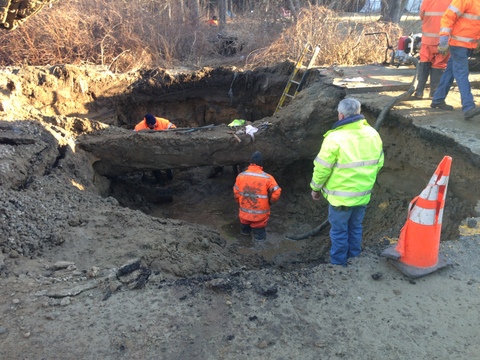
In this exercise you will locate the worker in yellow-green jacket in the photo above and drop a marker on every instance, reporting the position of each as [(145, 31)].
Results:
[(345, 171)]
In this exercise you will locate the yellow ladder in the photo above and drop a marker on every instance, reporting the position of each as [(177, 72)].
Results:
[(289, 91)]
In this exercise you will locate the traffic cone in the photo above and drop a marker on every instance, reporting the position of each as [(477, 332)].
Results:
[(416, 253)]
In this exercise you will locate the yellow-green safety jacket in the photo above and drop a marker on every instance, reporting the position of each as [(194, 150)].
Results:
[(349, 160)]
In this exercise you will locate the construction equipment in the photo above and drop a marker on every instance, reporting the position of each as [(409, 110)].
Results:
[(290, 92), (13, 13), (407, 47)]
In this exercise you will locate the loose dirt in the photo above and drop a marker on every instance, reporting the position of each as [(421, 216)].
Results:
[(91, 271)]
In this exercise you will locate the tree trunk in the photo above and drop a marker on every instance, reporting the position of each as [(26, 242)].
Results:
[(292, 9), (222, 12), (297, 5), (182, 10), (194, 6), (392, 10)]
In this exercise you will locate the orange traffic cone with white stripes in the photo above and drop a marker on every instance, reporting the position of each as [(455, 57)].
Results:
[(417, 252)]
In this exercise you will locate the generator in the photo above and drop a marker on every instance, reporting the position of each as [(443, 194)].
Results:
[(407, 47)]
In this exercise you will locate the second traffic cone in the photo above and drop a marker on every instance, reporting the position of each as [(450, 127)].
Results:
[(417, 251)]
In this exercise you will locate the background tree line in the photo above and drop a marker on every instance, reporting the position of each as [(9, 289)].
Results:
[(128, 35)]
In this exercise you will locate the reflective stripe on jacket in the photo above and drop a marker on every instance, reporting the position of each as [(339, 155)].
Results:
[(431, 12), (162, 124), (347, 165), (254, 191), (461, 22)]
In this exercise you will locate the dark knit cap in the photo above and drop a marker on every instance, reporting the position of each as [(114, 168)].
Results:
[(150, 119), (257, 158)]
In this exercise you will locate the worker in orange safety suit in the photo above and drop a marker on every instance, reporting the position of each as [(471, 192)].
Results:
[(213, 21), (432, 63), (255, 191), (459, 35), (151, 122)]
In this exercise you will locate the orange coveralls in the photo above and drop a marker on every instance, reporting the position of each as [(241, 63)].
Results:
[(462, 23), (162, 124), (255, 191), (431, 12), (213, 22)]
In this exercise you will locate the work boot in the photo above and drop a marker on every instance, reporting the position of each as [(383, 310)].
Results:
[(443, 105), (423, 72), (245, 230), (469, 114), (259, 234), (435, 76)]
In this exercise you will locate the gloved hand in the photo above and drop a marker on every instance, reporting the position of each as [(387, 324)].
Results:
[(443, 45)]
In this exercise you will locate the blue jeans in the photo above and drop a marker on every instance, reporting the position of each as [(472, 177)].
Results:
[(345, 232), (457, 68)]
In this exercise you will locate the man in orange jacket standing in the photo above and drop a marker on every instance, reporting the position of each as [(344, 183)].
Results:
[(151, 122), (255, 191), (431, 63), (459, 34)]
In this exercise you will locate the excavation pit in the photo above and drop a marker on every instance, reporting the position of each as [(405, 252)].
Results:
[(193, 224), (203, 195), (199, 198)]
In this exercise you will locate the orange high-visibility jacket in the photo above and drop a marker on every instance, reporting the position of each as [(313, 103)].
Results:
[(431, 12), (461, 22), (162, 124), (254, 191)]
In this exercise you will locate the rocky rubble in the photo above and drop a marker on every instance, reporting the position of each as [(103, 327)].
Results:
[(48, 199)]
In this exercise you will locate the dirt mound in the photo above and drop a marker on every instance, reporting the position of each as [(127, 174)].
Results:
[(48, 200)]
